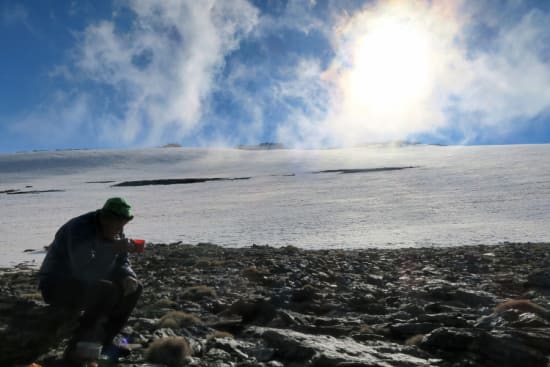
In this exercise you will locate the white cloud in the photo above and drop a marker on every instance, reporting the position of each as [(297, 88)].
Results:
[(306, 125), (511, 82), (296, 15), (166, 65)]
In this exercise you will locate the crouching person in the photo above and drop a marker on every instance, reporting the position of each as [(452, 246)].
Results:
[(87, 269)]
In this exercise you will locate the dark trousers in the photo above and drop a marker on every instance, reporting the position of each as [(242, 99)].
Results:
[(103, 299)]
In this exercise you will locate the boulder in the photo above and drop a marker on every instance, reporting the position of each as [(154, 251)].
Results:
[(327, 351), (497, 348)]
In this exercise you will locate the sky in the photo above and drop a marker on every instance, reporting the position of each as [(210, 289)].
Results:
[(304, 73)]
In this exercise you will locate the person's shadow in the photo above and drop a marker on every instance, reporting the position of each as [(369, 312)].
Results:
[(29, 329)]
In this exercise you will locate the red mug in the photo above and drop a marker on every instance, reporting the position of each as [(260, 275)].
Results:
[(139, 246)]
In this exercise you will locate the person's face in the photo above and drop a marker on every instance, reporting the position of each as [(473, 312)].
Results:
[(112, 227)]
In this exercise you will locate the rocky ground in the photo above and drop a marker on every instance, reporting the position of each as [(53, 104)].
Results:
[(265, 306)]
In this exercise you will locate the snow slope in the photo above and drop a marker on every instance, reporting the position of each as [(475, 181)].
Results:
[(453, 196)]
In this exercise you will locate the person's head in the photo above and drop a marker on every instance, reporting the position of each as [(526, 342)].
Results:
[(113, 217)]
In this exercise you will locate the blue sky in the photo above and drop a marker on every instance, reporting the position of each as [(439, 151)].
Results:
[(324, 73)]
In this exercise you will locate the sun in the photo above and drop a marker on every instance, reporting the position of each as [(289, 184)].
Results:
[(394, 63), (391, 67)]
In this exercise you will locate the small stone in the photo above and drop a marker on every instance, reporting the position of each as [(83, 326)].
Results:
[(264, 354), (218, 354)]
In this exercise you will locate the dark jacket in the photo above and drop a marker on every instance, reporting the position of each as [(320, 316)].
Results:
[(79, 251)]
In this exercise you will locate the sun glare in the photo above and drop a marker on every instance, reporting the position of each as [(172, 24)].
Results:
[(391, 68)]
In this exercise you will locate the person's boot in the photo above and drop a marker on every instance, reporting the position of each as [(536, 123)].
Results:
[(73, 356), (115, 351), (70, 356)]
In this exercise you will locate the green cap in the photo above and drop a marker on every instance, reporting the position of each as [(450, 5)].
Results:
[(118, 207)]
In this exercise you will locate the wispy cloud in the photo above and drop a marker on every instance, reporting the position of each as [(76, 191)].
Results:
[(14, 14), (165, 67), (509, 81), (57, 122), (153, 80)]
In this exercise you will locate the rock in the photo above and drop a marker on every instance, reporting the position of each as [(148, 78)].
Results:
[(530, 320), (445, 319), (264, 354), (367, 303), (475, 298), (407, 329), (539, 278), (450, 339), (198, 292), (259, 311), (305, 294), (293, 319), (195, 346), (163, 333), (374, 279), (321, 350), (453, 294), (143, 323), (217, 353), (513, 348), (439, 307), (504, 348), (492, 321), (233, 347)]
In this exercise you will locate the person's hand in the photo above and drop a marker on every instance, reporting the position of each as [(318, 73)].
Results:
[(129, 285)]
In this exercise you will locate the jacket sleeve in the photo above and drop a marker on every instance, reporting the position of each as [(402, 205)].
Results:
[(123, 268)]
